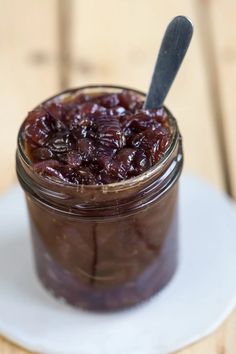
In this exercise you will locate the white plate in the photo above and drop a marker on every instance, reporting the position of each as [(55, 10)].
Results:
[(199, 298)]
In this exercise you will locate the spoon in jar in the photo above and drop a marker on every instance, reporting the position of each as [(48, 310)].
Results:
[(171, 54)]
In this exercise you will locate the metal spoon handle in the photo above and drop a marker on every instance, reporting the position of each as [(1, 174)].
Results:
[(172, 51)]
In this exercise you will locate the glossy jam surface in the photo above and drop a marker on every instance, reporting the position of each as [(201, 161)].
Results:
[(100, 138)]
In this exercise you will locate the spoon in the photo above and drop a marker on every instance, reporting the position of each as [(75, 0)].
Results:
[(171, 54)]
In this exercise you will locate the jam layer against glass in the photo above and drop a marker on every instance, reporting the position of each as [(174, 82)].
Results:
[(95, 139)]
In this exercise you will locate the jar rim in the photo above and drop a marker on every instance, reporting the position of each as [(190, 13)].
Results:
[(121, 185)]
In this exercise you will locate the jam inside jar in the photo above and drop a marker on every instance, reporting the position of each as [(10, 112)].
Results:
[(105, 246)]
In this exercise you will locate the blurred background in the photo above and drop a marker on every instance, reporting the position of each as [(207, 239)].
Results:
[(49, 45)]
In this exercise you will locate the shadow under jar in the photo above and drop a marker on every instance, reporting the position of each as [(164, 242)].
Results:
[(105, 247)]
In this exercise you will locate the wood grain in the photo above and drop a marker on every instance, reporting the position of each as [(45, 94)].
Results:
[(222, 17), (28, 68), (7, 347), (122, 48)]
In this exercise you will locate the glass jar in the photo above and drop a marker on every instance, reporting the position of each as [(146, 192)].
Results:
[(105, 247)]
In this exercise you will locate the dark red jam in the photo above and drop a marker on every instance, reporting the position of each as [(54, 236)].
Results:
[(95, 138)]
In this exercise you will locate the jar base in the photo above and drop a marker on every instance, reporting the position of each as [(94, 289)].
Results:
[(116, 298), (62, 284)]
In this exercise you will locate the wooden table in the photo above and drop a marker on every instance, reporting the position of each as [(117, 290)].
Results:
[(50, 45)]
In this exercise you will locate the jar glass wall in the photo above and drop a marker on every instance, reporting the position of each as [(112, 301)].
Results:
[(104, 247)]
